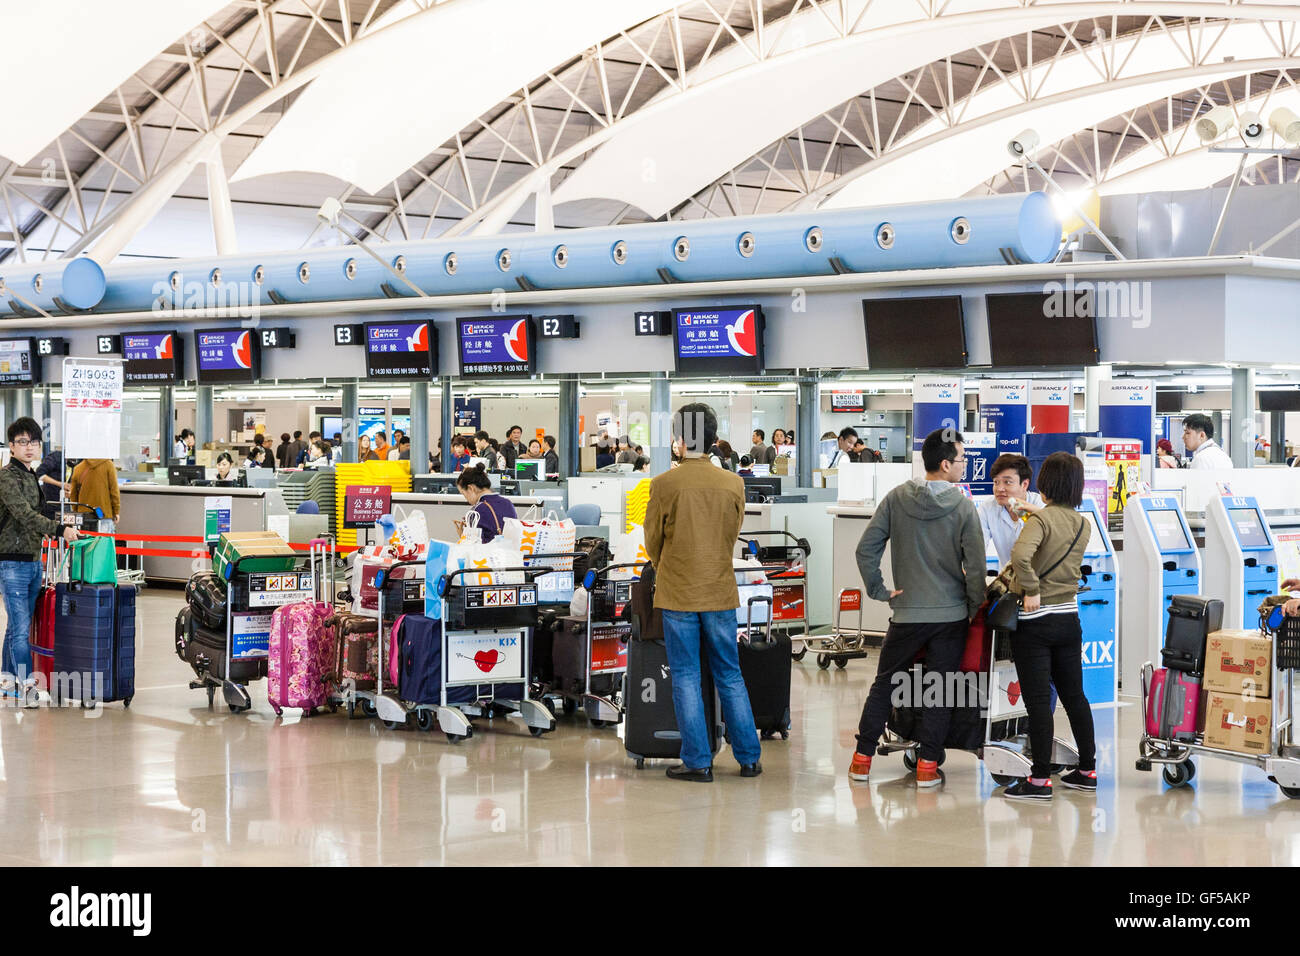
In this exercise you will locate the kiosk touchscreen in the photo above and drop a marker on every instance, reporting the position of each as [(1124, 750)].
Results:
[(1160, 561), (1241, 558), (1099, 610)]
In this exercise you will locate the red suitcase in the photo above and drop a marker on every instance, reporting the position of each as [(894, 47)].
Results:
[(41, 638), (1173, 704)]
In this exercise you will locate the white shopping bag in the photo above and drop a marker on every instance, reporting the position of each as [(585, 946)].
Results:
[(630, 549)]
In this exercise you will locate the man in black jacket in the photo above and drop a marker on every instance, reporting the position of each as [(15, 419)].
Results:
[(21, 528), (514, 448)]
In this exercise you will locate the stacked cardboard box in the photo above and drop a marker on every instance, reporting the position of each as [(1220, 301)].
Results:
[(1235, 704)]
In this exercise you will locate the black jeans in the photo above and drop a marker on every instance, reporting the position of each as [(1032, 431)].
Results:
[(1049, 650), (943, 645)]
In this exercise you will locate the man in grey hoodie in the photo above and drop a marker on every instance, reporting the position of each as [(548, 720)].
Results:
[(938, 569)]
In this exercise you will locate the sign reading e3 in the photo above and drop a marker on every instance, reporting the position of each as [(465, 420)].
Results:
[(349, 335)]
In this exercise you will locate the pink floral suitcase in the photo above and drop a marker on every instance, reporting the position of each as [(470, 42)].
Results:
[(300, 655)]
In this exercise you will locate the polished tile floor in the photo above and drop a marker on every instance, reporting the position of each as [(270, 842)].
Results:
[(170, 782)]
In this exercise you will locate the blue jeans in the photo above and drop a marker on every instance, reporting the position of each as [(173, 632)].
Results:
[(683, 631), (21, 581)]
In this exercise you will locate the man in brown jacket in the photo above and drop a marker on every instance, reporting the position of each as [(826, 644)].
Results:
[(94, 484), (691, 524)]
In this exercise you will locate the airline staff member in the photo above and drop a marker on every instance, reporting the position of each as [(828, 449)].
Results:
[(1001, 516), (1198, 437)]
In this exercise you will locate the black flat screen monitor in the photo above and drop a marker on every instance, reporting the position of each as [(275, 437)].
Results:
[(528, 470), (185, 475), (913, 333), (228, 356), (725, 340), (153, 358), (401, 351), (20, 363), (1042, 329), (758, 490)]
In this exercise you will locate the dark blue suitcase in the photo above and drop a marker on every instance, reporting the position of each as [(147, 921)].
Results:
[(95, 624), (420, 667)]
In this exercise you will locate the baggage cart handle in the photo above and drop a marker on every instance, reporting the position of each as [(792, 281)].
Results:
[(233, 566), (595, 574), (801, 543), (839, 606), (530, 575), (749, 617), (382, 574)]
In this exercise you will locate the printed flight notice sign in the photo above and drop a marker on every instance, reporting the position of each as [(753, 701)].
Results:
[(719, 341), (497, 347), (401, 350), (364, 505), (153, 358)]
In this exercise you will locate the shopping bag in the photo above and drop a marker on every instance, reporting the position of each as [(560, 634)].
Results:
[(435, 566), (411, 533), (630, 550), (93, 561)]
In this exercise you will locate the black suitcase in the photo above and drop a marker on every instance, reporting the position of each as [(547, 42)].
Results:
[(569, 656), (205, 593), (592, 552), (765, 665), (650, 722), (1192, 619), (204, 649)]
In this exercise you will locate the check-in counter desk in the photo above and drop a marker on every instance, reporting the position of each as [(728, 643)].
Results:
[(442, 511), (803, 520), (848, 523), (176, 510)]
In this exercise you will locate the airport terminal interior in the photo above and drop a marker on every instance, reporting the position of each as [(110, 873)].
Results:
[(354, 357)]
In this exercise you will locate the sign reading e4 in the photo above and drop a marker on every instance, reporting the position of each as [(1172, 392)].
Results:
[(653, 323), (558, 326), (278, 339)]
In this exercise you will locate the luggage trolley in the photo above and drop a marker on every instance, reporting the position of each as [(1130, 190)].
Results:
[(840, 646), (1282, 762), (1005, 748), (251, 598), (604, 656), (788, 576)]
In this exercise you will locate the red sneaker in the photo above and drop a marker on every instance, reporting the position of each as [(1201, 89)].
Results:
[(860, 768), (927, 773)]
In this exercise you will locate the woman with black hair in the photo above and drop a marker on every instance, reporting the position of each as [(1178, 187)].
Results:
[(492, 509), (1048, 641)]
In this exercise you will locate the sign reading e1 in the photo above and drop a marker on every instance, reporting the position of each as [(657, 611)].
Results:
[(654, 323)]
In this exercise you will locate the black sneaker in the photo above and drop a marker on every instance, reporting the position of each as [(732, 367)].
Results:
[(751, 769), (1024, 790), (1080, 780)]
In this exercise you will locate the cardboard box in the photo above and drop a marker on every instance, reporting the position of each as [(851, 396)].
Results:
[(1236, 724), (782, 466), (587, 458), (204, 457), (270, 549), (1238, 662)]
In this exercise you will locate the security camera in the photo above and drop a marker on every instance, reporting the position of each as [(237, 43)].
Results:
[(1214, 124), (1286, 125), (1023, 144), (329, 211), (1251, 127)]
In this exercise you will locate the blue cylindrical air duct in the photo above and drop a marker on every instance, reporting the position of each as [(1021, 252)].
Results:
[(982, 231), (59, 285)]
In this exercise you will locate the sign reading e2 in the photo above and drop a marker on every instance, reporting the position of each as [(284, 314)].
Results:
[(558, 326)]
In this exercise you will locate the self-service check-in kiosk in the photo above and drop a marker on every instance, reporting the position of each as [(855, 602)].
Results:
[(1160, 561), (1241, 560), (1099, 610)]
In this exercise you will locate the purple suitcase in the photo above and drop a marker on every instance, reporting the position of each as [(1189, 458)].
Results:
[(300, 656), (1173, 704)]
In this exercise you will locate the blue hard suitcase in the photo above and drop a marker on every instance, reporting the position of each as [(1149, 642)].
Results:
[(94, 643)]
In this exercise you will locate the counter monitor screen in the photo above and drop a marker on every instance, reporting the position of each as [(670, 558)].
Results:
[(719, 341), (1042, 329), (1250, 530), (1096, 535), (228, 356), (1168, 527), (19, 363), (758, 490), (401, 350), (528, 470), (497, 347), (915, 332), (152, 358)]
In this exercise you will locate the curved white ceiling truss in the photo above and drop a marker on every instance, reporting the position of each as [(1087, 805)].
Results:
[(1098, 80), (188, 116)]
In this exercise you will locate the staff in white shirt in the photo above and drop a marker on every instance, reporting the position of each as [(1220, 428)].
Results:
[(1000, 516), (1198, 438)]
